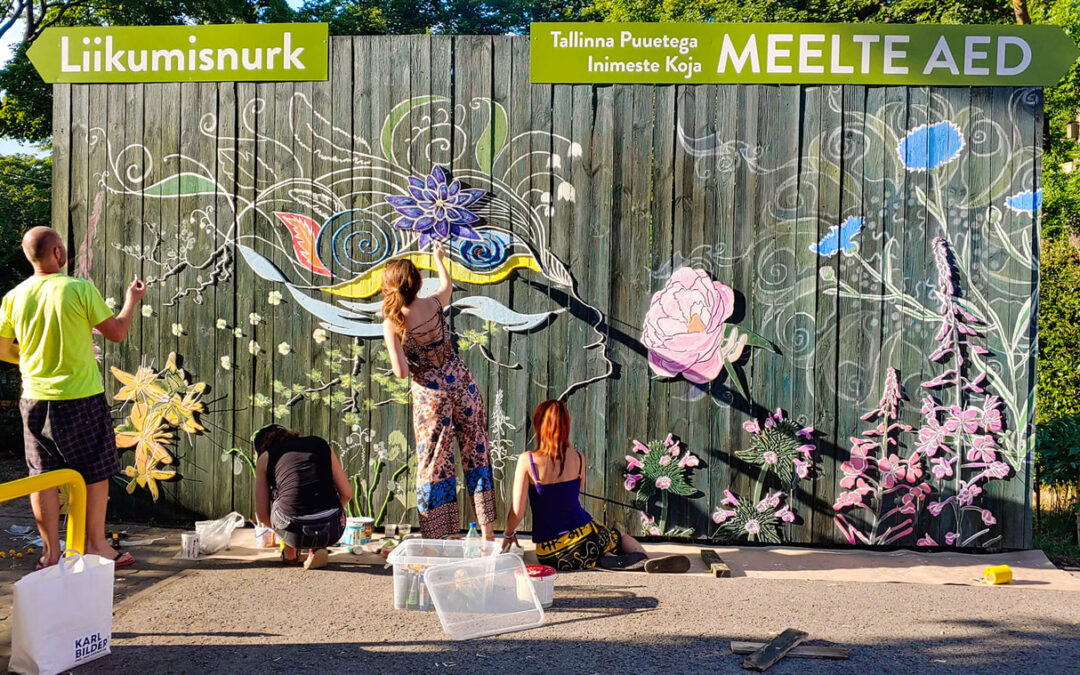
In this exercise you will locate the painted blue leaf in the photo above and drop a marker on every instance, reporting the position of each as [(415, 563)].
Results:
[(839, 238), (494, 311), (930, 147), (337, 320), (261, 266), (1025, 202)]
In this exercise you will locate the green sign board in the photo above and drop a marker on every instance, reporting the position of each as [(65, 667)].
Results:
[(783, 53), (182, 53)]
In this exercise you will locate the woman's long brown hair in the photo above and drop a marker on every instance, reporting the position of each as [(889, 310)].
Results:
[(551, 421), (400, 285)]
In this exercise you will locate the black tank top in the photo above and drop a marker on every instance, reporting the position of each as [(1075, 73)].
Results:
[(301, 477)]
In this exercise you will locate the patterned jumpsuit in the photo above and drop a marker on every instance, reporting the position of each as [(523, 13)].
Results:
[(446, 403)]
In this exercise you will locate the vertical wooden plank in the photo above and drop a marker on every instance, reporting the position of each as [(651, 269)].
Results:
[(826, 324), (803, 348), (604, 450), (75, 145), (725, 429), (221, 401), (503, 449), (473, 112), (245, 154), (61, 162)]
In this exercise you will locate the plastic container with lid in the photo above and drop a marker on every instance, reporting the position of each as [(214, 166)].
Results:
[(412, 556), (543, 579), (484, 596)]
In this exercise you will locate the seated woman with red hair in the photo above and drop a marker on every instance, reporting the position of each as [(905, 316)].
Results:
[(549, 480)]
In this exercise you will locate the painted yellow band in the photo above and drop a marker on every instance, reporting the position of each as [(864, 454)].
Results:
[(369, 283)]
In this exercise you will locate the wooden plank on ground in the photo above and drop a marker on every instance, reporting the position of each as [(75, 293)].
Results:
[(774, 650), (716, 564), (802, 651)]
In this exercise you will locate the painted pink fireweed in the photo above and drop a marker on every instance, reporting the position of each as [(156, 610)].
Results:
[(663, 482), (879, 478), (960, 436)]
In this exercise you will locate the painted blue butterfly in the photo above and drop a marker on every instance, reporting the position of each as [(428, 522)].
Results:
[(839, 238)]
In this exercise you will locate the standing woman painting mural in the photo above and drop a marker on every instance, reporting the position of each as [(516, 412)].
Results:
[(446, 401)]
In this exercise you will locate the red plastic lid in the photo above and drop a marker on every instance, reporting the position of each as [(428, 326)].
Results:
[(540, 571)]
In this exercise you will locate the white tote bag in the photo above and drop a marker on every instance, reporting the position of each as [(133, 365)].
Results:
[(62, 616)]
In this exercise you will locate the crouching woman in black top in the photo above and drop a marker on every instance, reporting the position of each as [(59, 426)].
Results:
[(307, 486)]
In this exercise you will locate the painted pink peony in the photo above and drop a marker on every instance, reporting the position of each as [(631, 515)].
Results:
[(685, 331)]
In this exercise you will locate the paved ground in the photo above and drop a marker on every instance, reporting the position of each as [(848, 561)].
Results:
[(239, 617), (245, 618)]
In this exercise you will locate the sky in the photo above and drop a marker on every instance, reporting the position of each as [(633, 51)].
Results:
[(10, 38)]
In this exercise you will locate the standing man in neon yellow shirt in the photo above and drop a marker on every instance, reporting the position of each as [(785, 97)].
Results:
[(66, 418)]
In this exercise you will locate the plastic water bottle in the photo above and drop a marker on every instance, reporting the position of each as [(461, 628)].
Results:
[(474, 546)]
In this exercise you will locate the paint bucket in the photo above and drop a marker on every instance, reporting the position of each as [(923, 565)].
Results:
[(998, 574), (543, 581), (352, 532), (189, 545), (367, 530), (264, 536)]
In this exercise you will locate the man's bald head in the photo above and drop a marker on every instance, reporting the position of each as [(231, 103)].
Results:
[(40, 242)]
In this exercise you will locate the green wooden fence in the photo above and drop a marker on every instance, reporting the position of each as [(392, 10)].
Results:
[(680, 260)]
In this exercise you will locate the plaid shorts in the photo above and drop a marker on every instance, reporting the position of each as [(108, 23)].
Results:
[(76, 434)]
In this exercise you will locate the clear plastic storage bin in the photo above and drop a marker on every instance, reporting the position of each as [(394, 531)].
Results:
[(484, 596), (411, 557)]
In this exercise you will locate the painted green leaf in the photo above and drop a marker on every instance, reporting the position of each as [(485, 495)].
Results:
[(737, 383), (398, 113), (182, 185), (493, 138)]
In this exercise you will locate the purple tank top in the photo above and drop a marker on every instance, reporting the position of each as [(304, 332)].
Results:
[(556, 507)]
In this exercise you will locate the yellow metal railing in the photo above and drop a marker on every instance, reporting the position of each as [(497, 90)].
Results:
[(76, 527)]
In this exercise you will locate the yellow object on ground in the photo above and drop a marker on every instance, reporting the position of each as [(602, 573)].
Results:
[(998, 574), (76, 529)]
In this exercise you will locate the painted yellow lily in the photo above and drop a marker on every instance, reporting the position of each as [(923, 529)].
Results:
[(146, 434), (148, 477), (142, 386)]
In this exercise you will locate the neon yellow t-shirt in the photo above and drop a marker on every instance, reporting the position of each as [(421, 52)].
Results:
[(51, 318)]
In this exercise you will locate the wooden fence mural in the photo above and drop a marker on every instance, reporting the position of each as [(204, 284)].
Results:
[(825, 295)]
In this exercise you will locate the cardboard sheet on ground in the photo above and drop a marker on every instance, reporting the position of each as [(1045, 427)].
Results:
[(1031, 569)]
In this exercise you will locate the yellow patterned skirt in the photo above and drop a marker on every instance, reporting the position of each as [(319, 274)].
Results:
[(579, 549)]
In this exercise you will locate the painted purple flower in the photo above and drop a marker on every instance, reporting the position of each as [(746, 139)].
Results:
[(968, 420), (684, 328), (641, 447), (992, 414), (752, 526), (967, 493), (665, 460), (931, 437), (663, 482), (935, 508), (752, 426), (632, 479), (633, 463), (688, 461), (802, 469), (951, 537), (998, 470), (892, 471), (669, 441), (722, 515), (786, 514), (435, 209), (926, 541), (805, 432), (982, 449), (988, 518), (770, 457), (674, 450), (943, 467), (846, 499), (730, 499)]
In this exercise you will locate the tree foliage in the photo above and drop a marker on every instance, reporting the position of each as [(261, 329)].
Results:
[(25, 186)]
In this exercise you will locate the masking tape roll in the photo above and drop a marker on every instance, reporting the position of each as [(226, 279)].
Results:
[(998, 574)]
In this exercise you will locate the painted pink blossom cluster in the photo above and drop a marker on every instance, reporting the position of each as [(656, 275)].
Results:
[(672, 452), (880, 471), (780, 446), (959, 439), (755, 521)]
